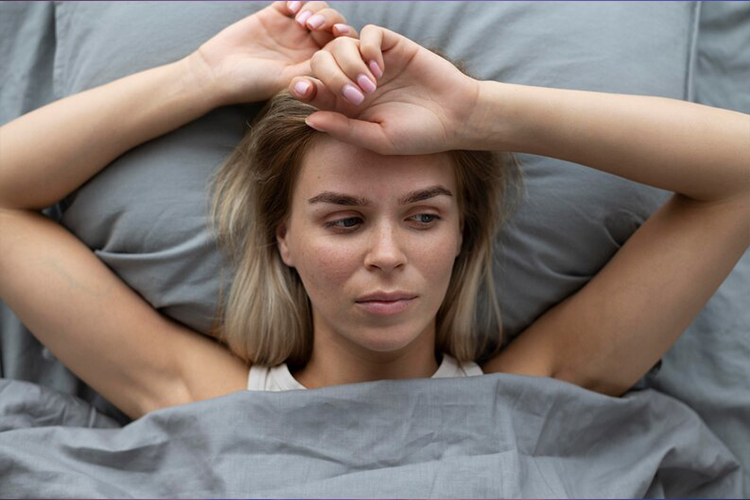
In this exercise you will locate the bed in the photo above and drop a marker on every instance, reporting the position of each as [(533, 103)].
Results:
[(682, 431)]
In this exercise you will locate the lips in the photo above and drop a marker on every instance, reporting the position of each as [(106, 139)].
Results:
[(382, 303), (386, 297), (385, 307)]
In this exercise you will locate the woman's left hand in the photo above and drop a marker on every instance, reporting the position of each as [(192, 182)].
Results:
[(388, 94), (258, 56)]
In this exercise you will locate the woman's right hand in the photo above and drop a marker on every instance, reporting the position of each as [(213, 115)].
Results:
[(258, 56), (422, 103)]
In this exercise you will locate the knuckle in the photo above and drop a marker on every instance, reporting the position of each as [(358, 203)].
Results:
[(339, 44), (330, 13), (334, 14), (318, 58), (316, 6), (367, 49), (371, 30)]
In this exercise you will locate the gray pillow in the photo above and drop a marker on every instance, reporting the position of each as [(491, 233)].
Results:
[(145, 214), (27, 48)]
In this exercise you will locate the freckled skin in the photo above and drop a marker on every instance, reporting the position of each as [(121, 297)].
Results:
[(386, 250)]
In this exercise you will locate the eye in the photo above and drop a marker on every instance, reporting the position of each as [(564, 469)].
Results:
[(426, 219), (347, 223)]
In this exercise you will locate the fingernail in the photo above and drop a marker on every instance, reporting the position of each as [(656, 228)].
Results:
[(365, 84), (294, 6), (353, 95), (315, 21), (303, 17), (302, 87), (342, 28), (375, 69), (307, 121)]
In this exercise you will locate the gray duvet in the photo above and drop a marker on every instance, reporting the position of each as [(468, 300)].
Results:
[(493, 436)]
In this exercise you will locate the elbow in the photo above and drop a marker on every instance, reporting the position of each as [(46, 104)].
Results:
[(606, 387), (611, 389), (176, 395)]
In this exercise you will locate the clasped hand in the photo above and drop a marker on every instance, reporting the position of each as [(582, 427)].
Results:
[(382, 92), (388, 94), (258, 56)]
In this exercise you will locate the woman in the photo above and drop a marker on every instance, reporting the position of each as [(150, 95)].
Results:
[(353, 266), (604, 337)]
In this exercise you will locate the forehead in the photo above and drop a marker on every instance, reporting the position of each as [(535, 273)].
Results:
[(337, 166)]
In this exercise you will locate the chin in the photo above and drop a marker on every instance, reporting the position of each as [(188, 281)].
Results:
[(386, 339)]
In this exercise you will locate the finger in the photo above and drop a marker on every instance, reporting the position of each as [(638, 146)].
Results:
[(349, 59), (312, 91), (360, 133), (309, 15), (288, 8), (324, 19), (341, 29), (371, 47), (326, 68), (291, 7), (308, 10), (327, 23)]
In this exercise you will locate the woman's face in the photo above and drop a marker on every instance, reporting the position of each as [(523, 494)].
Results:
[(364, 224)]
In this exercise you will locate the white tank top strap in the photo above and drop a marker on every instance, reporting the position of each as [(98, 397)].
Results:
[(279, 378), (257, 378)]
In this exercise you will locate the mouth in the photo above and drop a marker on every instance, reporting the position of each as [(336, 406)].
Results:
[(387, 296), (386, 307)]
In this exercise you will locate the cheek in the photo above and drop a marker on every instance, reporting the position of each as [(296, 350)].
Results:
[(326, 267), (435, 261)]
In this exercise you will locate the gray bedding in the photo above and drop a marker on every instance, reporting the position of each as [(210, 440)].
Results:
[(494, 436), (685, 434)]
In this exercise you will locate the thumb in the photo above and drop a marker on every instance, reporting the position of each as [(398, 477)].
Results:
[(364, 134)]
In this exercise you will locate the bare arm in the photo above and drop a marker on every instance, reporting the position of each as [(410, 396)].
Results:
[(611, 332), (423, 105), (698, 151), (50, 152), (97, 326), (607, 335), (102, 330)]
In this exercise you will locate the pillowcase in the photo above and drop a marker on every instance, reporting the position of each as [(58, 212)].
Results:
[(27, 48), (145, 214)]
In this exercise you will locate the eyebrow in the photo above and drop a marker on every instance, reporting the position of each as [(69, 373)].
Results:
[(348, 200)]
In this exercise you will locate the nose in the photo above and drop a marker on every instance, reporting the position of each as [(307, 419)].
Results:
[(385, 251)]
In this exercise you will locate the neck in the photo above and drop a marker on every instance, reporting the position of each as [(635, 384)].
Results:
[(336, 360)]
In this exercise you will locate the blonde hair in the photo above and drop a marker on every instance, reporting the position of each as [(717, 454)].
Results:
[(267, 318)]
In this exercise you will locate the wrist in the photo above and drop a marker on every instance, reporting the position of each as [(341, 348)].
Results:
[(200, 83), (492, 123)]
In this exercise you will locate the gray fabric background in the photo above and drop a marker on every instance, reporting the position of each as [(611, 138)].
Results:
[(144, 214)]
